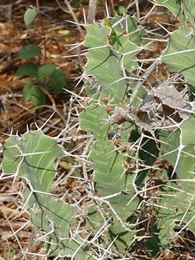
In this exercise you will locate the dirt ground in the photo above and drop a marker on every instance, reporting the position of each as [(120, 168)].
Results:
[(16, 233)]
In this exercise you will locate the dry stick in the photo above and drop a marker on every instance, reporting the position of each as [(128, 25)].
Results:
[(85, 152), (137, 10), (61, 7), (42, 28), (53, 105), (130, 5), (91, 11), (74, 17), (8, 8)]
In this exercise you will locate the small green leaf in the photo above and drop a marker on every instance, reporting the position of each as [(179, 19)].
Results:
[(46, 71), (27, 70), (94, 219), (122, 10), (58, 81), (27, 92), (30, 16), (38, 97), (34, 93), (30, 51)]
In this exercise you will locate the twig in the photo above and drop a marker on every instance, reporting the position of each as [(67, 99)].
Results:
[(74, 17), (91, 11), (42, 28)]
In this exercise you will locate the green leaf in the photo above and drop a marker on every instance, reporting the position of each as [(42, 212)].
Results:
[(29, 51), (97, 35), (179, 56), (111, 179), (121, 237), (93, 120), (153, 243), (53, 210), (29, 70), (130, 25), (108, 168), (30, 16), (38, 97), (106, 68), (76, 248), (129, 50), (27, 92), (94, 219), (109, 171), (188, 131), (166, 216), (103, 64), (32, 157), (181, 159), (170, 145), (122, 10), (174, 205), (188, 8), (178, 201), (34, 93), (46, 71), (58, 81)]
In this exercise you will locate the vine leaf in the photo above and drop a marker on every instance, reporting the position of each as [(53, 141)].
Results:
[(188, 131), (103, 63), (32, 156), (93, 120), (178, 204), (108, 168), (179, 56), (172, 5), (111, 179)]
